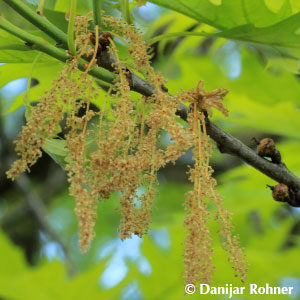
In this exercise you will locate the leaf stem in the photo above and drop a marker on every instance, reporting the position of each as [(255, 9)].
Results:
[(124, 6), (33, 41), (40, 44), (37, 20), (71, 43), (40, 9), (26, 96), (97, 12)]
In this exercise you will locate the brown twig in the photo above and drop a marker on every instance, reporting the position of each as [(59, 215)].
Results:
[(225, 142), (39, 210)]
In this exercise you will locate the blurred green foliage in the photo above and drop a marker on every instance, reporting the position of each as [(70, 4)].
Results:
[(263, 100)]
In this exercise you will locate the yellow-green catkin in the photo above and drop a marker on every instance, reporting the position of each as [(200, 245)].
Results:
[(126, 155), (142, 158), (198, 248), (82, 186), (42, 123)]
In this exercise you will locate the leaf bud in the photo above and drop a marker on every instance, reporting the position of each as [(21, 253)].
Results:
[(280, 192), (266, 148)]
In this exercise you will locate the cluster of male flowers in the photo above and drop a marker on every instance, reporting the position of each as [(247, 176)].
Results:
[(125, 153)]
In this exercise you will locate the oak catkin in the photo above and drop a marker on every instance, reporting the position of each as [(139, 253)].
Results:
[(126, 155)]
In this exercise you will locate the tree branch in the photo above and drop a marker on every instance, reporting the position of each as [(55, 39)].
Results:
[(226, 143), (230, 145)]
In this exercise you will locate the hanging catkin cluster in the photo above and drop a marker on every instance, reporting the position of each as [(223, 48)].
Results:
[(198, 248), (128, 156), (117, 149), (43, 121), (71, 91)]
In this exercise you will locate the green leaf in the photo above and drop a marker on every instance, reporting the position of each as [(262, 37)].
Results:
[(230, 13), (9, 254), (281, 119), (276, 34), (83, 6), (13, 71), (49, 281), (282, 38), (14, 50), (57, 18), (57, 150)]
